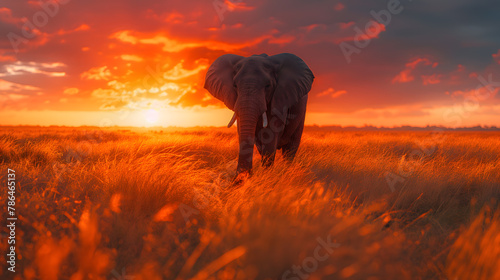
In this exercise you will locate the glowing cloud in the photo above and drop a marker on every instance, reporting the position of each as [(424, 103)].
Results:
[(7, 58), (22, 68), (406, 75), (178, 45), (131, 57), (97, 73), (332, 93), (6, 86), (71, 91), (178, 72)]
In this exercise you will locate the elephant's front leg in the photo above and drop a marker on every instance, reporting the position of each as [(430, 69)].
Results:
[(266, 141), (290, 149), (294, 129), (268, 158)]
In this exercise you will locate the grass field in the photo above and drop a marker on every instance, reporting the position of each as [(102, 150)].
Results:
[(139, 204)]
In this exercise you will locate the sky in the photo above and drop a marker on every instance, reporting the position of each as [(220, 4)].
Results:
[(143, 63)]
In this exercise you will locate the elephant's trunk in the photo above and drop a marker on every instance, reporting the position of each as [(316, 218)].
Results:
[(248, 115)]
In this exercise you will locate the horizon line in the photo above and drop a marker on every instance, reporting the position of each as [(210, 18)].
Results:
[(313, 126)]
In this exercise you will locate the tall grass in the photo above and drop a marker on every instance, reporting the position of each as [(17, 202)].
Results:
[(111, 204)]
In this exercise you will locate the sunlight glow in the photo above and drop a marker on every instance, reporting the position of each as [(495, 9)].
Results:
[(152, 116)]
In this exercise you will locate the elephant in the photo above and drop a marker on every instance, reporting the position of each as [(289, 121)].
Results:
[(268, 95)]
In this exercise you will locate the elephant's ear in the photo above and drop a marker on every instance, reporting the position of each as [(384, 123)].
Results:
[(294, 81), (219, 79)]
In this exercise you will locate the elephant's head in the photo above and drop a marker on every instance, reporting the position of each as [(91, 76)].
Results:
[(254, 88)]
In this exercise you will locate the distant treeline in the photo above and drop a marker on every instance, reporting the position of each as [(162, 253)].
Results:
[(307, 128), (400, 128)]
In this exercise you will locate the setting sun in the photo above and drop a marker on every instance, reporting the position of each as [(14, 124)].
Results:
[(152, 116)]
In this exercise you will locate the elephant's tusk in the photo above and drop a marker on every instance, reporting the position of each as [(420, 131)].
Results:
[(264, 120), (231, 122)]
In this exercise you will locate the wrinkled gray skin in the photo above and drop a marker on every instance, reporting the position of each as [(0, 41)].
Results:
[(250, 86)]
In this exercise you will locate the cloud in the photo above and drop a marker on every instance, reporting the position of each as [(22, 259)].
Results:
[(174, 17), (125, 36), (22, 68), (10, 97), (177, 45), (97, 73), (238, 5), (431, 79), (332, 93), (480, 93), (282, 40), (82, 27), (222, 6), (496, 56), (71, 91), (407, 75), (104, 93), (167, 84), (6, 16), (311, 27), (7, 58), (345, 25), (7, 86), (179, 72), (131, 57), (339, 7), (170, 45), (372, 32)]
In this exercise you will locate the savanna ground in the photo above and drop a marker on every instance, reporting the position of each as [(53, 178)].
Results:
[(139, 204)]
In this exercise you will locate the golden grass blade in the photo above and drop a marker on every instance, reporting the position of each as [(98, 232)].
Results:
[(220, 262)]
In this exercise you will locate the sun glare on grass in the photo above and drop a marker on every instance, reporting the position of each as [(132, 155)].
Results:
[(152, 116)]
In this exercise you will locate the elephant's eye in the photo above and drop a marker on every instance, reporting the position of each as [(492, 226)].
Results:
[(234, 86), (268, 86)]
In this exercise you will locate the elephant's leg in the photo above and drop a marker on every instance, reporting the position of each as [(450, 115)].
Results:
[(293, 130), (268, 159), (266, 140), (290, 149)]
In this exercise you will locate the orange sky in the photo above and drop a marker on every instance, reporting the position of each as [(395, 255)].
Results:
[(142, 63)]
